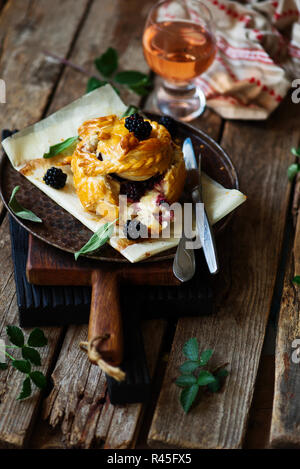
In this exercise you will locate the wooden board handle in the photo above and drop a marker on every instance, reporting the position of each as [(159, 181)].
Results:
[(105, 316)]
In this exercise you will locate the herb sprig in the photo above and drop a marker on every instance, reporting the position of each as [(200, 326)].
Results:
[(194, 376), (60, 147), (99, 238), (30, 356), (21, 211), (294, 168)]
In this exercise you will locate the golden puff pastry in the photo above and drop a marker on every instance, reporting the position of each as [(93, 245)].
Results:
[(109, 161)]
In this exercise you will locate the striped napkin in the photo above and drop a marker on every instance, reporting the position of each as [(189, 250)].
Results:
[(258, 57)]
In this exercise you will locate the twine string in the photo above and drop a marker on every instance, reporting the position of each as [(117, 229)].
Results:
[(92, 351)]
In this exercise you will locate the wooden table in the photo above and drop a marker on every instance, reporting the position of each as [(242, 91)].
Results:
[(259, 245)]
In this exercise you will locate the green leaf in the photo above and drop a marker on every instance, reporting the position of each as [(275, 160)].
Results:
[(32, 355), (39, 379), (296, 279), (191, 350), (94, 83), (3, 366), (219, 376), (187, 397), (107, 63), (37, 338), (186, 380), (205, 377), (60, 147), (215, 386), (295, 151), (143, 87), (22, 365), (99, 238), (26, 389), (292, 171), (20, 211), (189, 366), (131, 78), (130, 110), (205, 357), (15, 335)]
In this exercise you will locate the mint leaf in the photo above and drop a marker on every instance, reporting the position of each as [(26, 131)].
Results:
[(296, 279), (37, 338), (107, 63), (205, 357), (29, 353), (99, 238), (205, 377), (295, 151), (293, 169), (191, 350), (189, 366), (26, 389), (39, 379), (22, 365), (94, 83), (219, 376), (3, 366), (186, 380), (131, 78), (60, 147), (188, 396), (15, 335), (130, 110), (20, 211)]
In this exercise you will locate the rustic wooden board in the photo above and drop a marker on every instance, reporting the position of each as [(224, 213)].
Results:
[(285, 425), (78, 406), (24, 30), (16, 417), (261, 153)]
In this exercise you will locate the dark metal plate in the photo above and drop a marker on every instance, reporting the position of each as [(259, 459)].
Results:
[(62, 230)]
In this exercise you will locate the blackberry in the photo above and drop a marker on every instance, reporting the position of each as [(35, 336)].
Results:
[(169, 124), (133, 229), (133, 190), (136, 124), (55, 178), (131, 121), (142, 130), (136, 189)]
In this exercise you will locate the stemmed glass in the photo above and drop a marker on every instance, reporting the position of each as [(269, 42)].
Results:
[(179, 45)]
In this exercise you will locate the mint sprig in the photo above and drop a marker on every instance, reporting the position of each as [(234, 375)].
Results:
[(97, 240), (294, 168), (194, 376), (60, 147), (30, 357), (21, 211)]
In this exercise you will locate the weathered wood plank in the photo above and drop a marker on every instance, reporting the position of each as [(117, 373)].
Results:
[(261, 153), (115, 24), (285, 425), (16, 417), (125, 422), (26, 27), (107, 24), (79, 405)]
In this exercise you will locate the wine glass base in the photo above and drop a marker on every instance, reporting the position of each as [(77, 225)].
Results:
[(183, 104)]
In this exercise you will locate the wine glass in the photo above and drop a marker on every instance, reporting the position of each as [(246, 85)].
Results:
[(179, 45)]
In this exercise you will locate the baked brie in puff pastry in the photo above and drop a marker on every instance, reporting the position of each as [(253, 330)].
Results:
[(109, 161)]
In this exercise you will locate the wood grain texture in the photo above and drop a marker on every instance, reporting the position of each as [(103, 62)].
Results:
[(78, 403), (285, 425), (115, 24), (261, 153), (17, 417)]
